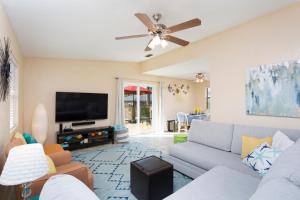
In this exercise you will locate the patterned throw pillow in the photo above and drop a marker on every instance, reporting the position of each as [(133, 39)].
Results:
[(262, 158)]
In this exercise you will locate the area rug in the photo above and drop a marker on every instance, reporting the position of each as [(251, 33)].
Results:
[(110, 166)]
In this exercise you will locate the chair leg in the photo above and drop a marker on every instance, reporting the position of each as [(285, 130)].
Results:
[(185, 129)]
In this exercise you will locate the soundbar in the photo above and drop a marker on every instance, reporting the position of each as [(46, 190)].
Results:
[(83, 123)]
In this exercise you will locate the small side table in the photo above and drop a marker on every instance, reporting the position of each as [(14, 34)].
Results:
[(151, 178)]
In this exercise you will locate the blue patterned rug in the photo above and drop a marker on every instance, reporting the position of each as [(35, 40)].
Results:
[(111, 168)]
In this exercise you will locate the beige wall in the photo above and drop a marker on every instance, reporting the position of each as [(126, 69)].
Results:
[(179, 102), (269, 39), (201, 94), (43, 77), (6, 31)]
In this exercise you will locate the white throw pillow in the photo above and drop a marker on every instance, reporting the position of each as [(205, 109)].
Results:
[(281, 141), (262, 158)]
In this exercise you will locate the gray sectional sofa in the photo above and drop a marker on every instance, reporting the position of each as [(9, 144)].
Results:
[(212, 157)]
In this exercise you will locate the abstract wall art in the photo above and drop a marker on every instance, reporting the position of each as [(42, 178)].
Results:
[(274, 90)]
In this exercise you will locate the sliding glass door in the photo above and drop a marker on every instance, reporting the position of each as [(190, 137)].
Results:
[(140, 110)]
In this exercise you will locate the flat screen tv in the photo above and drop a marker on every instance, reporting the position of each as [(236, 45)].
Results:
[(80, 106)]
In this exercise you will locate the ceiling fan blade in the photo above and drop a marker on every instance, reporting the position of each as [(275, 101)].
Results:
[(131, 36), (146, 21), (176, 40), (148, 48), (184, 25)]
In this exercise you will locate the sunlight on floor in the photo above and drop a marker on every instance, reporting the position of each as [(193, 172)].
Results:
[(157, 140)]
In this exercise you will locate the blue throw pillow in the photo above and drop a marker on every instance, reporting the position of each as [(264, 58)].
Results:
[(29, 138), (262, 158)]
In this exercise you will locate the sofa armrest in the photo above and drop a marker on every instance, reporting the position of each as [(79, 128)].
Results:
[(75, 169), (61, 158)]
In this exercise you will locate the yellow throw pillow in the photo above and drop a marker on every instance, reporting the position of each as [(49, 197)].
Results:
[(51, 165), (20, 136), (250, 143)]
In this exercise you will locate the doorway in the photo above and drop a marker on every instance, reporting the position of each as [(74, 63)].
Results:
[(140, 108)]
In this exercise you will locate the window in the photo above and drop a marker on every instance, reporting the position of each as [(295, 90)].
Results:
[(13, 97)]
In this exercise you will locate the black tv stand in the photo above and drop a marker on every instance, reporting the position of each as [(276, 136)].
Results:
[(66, 130), (84, 138)]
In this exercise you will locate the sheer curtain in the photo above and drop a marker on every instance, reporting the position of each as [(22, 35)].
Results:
[(161, 108), (120, 113)]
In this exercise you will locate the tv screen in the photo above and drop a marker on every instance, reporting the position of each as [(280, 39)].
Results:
[(80, 106)]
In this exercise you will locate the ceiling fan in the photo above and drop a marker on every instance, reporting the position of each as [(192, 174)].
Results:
[(200, 77), (160, 33)]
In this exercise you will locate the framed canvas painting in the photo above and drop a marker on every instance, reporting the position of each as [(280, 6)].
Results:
[(274, 90)]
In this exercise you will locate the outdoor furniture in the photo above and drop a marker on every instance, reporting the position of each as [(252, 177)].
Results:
[(182, 122), (171, 124), (201, 116), (180, 138), (151, 178)]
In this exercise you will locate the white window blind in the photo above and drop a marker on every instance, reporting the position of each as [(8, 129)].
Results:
[(14, 97)]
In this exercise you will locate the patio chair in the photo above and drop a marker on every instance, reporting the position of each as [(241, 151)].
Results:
[(182, 122)]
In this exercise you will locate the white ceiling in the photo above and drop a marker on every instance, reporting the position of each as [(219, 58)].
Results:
[(185, 70), (85, 29)]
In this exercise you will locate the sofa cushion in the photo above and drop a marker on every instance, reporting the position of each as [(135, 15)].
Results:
[(215, 185), (13, 143), (277, 189), (207, 158), (240, 130), (295, 178), (286, 164), (212, 134)]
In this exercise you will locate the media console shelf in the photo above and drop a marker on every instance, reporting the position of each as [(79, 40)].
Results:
[(83, 138)]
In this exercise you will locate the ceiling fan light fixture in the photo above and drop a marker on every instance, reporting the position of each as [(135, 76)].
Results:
[(156, 40), (160, 33), (151, 45), (164, 43), (200, 78)]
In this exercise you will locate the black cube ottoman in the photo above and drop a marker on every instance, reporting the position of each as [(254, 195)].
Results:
[(151, 178)]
